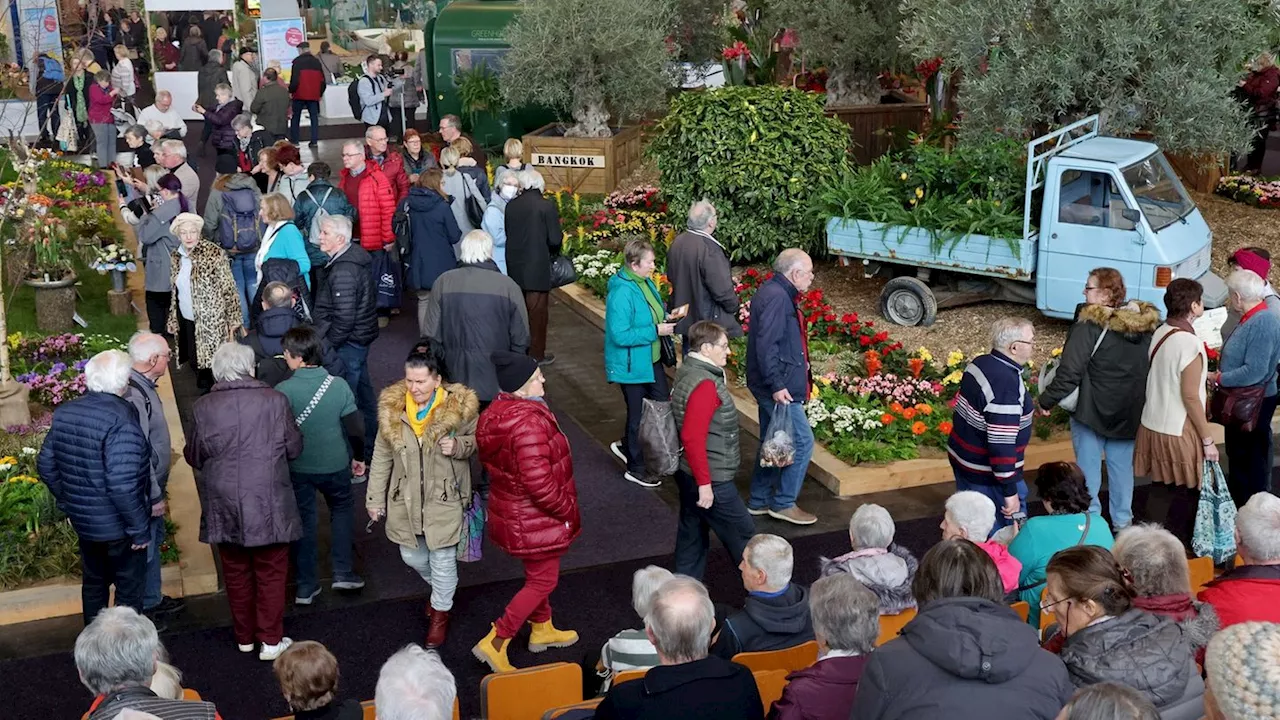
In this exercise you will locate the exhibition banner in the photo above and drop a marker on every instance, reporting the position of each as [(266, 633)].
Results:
[(278, 42)]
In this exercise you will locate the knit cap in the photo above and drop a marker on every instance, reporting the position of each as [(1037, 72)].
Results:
[(1243, 664), (513, 369), (1249, 260)]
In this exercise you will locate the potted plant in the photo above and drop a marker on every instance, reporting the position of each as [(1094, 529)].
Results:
[(605, 64), (117, 260), (52, 273)]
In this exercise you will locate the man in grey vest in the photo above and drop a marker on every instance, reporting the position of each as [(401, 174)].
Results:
[(708, 423), (150, 355)]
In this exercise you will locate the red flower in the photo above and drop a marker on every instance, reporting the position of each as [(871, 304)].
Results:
[(849, 318), (864, 340), (880, 337), (829, 317), (752, 272)]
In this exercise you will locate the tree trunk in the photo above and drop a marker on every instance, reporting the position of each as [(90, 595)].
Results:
[(592, 122), (847, 88)]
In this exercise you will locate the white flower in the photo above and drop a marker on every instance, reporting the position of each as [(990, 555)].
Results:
[(30, 451), (5, 466)]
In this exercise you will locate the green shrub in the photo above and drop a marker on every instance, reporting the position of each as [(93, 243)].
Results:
[(759, 154)]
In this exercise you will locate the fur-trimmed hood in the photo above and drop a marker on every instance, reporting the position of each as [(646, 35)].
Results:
[(887, 575), (460, 407), (1132, 320), (1199, 629)]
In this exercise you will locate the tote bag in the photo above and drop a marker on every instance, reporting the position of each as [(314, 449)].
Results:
[(1215, 531), (471, 544)]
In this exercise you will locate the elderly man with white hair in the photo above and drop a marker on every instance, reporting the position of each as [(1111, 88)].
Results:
[(97, 465), (474, 311), (688, 682), (701, 277), (162, 112), (993, 413), (632, 649), (172, 154), (883, 566), (414, 684), (116, 656), (776, 612), (534, 236), (971, 516), (1251, 592), (1249, 359)]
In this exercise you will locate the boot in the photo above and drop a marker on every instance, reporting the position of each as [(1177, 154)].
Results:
[(437, 629), (545, 635), (492, 651)]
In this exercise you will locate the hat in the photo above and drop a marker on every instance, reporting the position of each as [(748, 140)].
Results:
[(1243, 673), (513, 369), (186, 219), (226, 164), (246, 50), (1249, 260)]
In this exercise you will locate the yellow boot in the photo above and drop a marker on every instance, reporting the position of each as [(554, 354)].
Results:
[(545, 635), (492, 651)]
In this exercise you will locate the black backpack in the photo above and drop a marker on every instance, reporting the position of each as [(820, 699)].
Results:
[(353, 96), (287, 272)]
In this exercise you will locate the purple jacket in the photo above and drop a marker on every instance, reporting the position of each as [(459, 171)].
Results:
[(242, 439), (822, 691), (224, 136)]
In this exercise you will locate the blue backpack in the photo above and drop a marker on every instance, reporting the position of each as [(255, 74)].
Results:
[(51, 69), (239, 227)]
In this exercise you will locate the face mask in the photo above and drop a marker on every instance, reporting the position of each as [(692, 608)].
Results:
[(509, 192)]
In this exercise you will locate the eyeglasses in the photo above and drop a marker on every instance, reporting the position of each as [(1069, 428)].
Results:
[(354, 154), (1046, 606), (1087, 288)]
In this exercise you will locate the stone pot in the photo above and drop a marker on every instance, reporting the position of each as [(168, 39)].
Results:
[(117, 280), (55, 303)]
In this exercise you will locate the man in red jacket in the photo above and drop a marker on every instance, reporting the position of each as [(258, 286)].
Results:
[(389, 160), (1251, 592), (307, 82), (374, 198)]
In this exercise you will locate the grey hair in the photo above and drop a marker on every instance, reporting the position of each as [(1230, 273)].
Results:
[(531, 179), (1155, 559), (145, 345), (232, 361), (277, 294), (871, 527), (1109, 701), (215, 56), (681, 619), (223, 87), (1008, 330), (1258, 524), (164, 93), (339, 225), (356, 144), (414, 684), (845, 614), (154, 126), (138, 131), (108, 372), (700, 214), (1247, 284), (449, 158), (119, 649), (368, 133), (453, 121), (174, 147), (788, 260), (153, 173), (972, 512), (644, 586), (242, 121), (771, 555), (476, 247)]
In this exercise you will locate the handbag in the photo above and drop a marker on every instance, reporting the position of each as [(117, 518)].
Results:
[(472, 204), (1237, 407), (659, 437), (1050, 371), (562, 271), (1214, 535), (471, 543), (667, 351), (388, 280)]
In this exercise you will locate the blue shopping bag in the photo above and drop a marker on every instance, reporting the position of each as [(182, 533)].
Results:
[(1215, 531)]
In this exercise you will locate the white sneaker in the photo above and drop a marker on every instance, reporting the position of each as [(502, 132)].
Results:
[(758, 511), (271, 652), (642, 481), (616, 448), (245, 648)]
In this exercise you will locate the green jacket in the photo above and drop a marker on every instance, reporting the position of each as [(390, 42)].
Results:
[(1043, 536)]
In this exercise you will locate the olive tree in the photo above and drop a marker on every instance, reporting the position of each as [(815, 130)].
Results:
[(593, 60), (1163, 66), (855, 39)]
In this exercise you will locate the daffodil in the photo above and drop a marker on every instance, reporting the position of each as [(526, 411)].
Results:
[(919, 192), (954, 358), (1056, 352)]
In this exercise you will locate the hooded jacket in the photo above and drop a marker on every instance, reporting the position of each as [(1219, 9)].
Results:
[(433, 238), (822, 691), (886, 574), (767, 622), (963, 658), (265, 339), (1146, 652), (1112, 379)]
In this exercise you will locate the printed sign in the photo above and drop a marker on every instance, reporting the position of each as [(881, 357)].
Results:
[(39, 33), (1209, 326), (570, 161), (278, 41)]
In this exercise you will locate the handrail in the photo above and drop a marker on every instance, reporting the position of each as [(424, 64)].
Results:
[(1037, 160)]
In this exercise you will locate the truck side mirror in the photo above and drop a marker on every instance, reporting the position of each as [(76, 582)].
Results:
[(1131, 215)]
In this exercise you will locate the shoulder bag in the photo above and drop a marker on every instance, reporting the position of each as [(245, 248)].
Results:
[(315, 400), (474, 207), (1214, 534), (562, 271), (1050, 371)]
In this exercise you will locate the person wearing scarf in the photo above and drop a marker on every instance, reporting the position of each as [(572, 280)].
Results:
[(634, 323)]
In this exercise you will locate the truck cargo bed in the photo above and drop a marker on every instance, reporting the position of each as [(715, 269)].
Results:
[(972, 254)]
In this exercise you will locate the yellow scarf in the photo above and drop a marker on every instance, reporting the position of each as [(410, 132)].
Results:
[(420, 418)]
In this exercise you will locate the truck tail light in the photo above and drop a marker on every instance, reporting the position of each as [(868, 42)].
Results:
[(1164, 276)]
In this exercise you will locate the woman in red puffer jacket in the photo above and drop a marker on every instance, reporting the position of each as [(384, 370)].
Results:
[(533, 503)]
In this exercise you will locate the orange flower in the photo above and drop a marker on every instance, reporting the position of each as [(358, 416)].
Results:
[(916, 365), (944, 427), (909, 413), (885, 419), (871, 359), (924, 409), (919, 428), (895, 408)]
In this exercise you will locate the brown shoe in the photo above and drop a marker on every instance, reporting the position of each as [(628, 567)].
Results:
[(794, 515), (438, 629)]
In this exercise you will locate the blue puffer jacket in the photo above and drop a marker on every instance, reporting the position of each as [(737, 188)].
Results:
[(630, 332), (96, 463), (433, 234), (775, 348)]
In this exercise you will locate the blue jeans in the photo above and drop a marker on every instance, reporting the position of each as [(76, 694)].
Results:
[(1090, 448), (997, 496), (777, 488), (336, 488), (246, 277), (356, 358), (313, 111), (151, 591)]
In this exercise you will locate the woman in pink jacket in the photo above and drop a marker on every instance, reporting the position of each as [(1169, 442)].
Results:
[(970, 516), (101, 97)]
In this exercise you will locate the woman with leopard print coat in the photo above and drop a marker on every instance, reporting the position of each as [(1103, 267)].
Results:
[(206, 309)]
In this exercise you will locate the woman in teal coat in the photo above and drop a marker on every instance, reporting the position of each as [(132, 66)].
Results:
[(634, 320), (281, 239), (1069, 523)]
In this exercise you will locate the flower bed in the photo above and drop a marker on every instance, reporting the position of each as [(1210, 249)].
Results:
[(1250, 190)]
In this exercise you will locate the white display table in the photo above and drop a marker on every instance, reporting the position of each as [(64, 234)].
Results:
[(19, 117), (334, 104)]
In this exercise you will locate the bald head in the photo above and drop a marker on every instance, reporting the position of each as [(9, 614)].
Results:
[(680, 621), (796, 266)]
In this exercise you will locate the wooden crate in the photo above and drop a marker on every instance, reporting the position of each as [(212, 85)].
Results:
[(871, 125), (1198, 172), (585, 165)]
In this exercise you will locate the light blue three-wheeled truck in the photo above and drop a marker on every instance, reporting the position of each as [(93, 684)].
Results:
[(1099, 201)]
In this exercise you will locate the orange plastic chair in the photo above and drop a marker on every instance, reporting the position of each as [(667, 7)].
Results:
[(627, 676), (1201, 572), (788, 659), (1046, 616), (370, 713), (554, 713), (189, 694), (770, 684), (527, 693), (1023, 609), (891, 625)]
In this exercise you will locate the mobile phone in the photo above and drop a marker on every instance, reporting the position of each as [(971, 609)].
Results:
[(1018, 518), (678, 313)]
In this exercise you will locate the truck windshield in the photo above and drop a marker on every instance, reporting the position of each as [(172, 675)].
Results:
[(1158, 191)]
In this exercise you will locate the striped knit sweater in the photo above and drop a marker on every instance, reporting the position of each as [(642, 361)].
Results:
[(992, 423)]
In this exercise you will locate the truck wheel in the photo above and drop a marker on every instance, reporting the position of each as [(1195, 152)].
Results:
[(908, 301)]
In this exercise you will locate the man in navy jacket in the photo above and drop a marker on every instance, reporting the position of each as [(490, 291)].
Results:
[(97, 464), (778, 376)]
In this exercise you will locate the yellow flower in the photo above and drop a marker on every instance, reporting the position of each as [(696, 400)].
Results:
[(1056, 352), (919, 192), (8, 460), (924, 354), (953, 378), (903, 176), (954, 358)]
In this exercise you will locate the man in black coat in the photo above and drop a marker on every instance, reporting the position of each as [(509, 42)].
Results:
[(699, 271), (346, 314), (689, 684), (97, 465), (277, 318), (533, 237)]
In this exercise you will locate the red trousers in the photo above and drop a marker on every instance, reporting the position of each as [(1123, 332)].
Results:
[(256, 590), (533, 601)]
